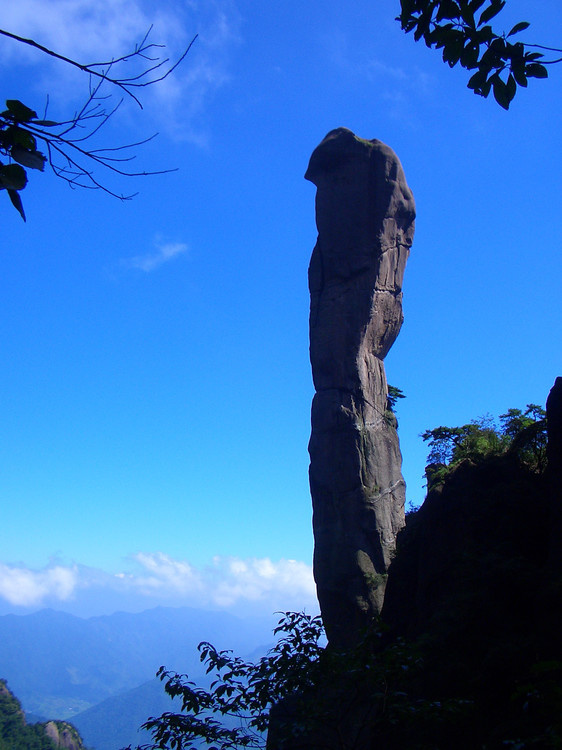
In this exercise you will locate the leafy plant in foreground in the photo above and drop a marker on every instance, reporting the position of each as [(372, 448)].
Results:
[(298, 691), (234, 711)]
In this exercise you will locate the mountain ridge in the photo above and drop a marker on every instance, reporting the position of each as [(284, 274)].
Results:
[(61, 665)]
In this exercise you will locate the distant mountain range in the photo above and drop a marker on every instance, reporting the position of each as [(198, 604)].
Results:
[(99, 673), (115, 722)]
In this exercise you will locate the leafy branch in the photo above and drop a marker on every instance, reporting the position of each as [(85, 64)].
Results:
[(22, 131), (501, 64), (301, 694)]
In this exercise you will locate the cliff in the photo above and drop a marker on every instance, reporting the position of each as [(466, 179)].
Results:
[(16, 734), (476, 587), (468, 651), (365, 219)]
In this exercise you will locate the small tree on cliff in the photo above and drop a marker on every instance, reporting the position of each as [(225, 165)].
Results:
[(521, 433), (461, 29)]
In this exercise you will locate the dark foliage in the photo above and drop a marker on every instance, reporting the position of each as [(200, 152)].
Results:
[(392, 397), (461, 29), (301, 693)]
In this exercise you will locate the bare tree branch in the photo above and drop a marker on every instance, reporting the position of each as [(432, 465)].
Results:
[(69, 159), (125, 84)]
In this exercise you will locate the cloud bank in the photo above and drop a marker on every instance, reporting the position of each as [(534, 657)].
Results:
[(252, 585), (24, 587)]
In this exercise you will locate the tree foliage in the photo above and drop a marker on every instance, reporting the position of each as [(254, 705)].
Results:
[(392, 397), (461, 29), (15, 734), (522, 433), (234, 711), (298, 691), (28, 141)]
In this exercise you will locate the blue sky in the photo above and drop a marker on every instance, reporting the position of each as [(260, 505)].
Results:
[(154, 374)]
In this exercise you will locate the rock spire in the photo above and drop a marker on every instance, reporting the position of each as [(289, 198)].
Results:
[(365, 218)]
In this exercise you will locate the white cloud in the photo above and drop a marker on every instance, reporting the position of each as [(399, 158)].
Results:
[(164, 573), (226, 582), (25, 587), (75, 28), (163, 253), (258, 585), (99, 30), (232, 580)]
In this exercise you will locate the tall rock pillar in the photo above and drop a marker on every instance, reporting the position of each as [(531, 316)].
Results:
[(365, 217)]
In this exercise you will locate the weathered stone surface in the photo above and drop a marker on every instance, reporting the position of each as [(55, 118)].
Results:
[(465, 557), (64, 735), (365, 218)]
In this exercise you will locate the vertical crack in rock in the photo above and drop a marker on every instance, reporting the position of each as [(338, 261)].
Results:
[(365, 217)]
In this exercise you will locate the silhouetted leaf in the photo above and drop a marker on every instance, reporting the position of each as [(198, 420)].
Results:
[(45, 123), (518, 72), (467, 16), (33, 159), (501, 94), (12, 177), (483, 35), (521, 26), (485, 88), (536, 70), (492, 11), (469, 56), (511, 87), (18, 111), (477, 80), (476, 5), (452, 52), (15, 136), (16, 202), (447, 9)]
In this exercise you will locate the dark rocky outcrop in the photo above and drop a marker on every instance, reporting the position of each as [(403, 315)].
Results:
[(365, 218), (476, 587), (471, 554), (554, 453), (490, 532)]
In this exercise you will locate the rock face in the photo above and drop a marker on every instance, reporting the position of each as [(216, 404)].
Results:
[(365, 217), (478, 541), (64, 735), (477, 585), (554, 428)]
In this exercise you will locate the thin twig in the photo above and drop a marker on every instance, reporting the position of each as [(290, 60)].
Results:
[(123, 83), (541, 46)]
